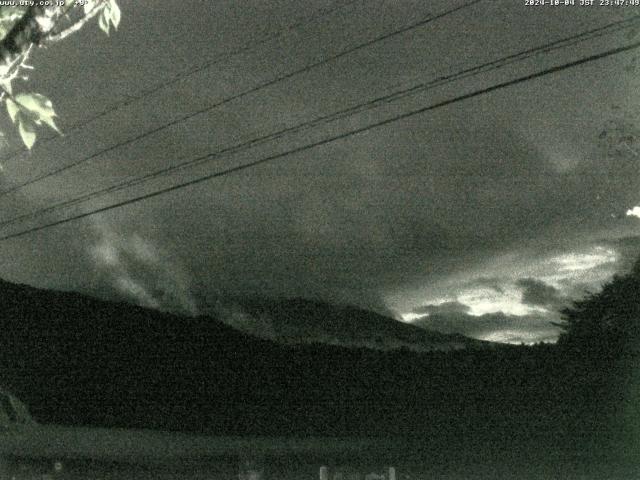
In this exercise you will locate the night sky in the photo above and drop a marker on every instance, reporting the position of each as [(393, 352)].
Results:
[(483, 217)]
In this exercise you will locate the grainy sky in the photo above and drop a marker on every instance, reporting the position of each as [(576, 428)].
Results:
[(482, 217)]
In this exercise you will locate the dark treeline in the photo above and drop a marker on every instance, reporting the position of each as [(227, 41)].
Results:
[(80, 361)]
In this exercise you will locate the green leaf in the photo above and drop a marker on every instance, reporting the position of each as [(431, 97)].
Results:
[(11, 14), (36, 103), (8, 18), (38, 108), (12, 109), (103, 21), (46, 120), (27, 131), (52, 124), (6, 86), (114, 13)]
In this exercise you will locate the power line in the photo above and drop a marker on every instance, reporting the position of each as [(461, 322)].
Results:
[(237, 96), (413, 90), (323, 12), (331, 139)]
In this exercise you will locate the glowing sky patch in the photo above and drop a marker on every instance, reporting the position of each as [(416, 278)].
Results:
[(578, 262), (591, 267), (499, 287), (410, 316), (485, 300), (634, 212), (588, 266), (512, 336), (481, 301)]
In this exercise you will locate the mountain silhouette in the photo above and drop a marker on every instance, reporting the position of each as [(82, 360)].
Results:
[(299, 321), (75, 360), (78, 360)]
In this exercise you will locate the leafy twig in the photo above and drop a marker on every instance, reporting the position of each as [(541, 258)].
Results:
[(77, 25)]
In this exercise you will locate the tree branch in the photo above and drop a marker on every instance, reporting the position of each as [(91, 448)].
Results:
[(77, 25)]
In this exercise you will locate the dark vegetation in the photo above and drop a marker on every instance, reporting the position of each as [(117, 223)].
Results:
[(80, 361)]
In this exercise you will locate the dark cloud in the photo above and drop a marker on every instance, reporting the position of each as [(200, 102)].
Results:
[(494, 283), (536, 292)]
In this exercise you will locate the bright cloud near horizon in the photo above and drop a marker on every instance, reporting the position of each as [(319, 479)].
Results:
[(515, 309)]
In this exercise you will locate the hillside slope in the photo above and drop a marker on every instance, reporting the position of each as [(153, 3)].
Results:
[(299, 321), (75, 360)]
